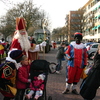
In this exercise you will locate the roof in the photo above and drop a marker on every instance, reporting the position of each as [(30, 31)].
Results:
[(41, 31)]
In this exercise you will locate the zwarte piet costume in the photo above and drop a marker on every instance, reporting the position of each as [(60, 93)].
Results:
[(77, 60), (8, 73)]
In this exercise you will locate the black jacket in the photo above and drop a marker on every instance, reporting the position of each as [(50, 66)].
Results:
[(60, 53), (90, 85)]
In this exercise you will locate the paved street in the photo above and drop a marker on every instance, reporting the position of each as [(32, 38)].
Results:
[(56, 83)]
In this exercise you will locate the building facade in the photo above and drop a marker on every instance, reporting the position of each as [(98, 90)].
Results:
[(85, 20), (91, 20), (73, 23)]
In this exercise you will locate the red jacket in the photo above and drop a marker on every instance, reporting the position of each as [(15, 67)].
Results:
[(22, 77), (37, 84)]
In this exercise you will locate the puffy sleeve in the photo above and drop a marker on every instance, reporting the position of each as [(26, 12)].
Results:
[(15, 44)]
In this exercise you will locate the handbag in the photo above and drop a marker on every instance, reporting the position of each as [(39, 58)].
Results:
[(13, 90), (83, 75)]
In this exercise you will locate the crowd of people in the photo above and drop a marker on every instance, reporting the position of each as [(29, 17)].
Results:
[(4, 48), (14, 72)]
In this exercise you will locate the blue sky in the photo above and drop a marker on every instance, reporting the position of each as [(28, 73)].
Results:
[(55, 9)]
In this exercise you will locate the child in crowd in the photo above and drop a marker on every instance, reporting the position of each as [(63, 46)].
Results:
[(37, 87), (60, 55), (7, 47), (54, 45), (22, 78), (2, 48)]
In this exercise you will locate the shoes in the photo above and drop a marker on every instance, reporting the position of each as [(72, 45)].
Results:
[(36, 97), (75, 92), (61, 68), (28, 96), (66, 91), (57, 72)]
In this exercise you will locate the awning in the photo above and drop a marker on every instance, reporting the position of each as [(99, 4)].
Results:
[(98, 16), (95, 17), (98, 26), (98, 6), (95, 27), (87, 37), (87, 30), (97, 36)]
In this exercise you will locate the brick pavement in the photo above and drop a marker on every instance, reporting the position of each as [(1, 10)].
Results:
[(56, 83)]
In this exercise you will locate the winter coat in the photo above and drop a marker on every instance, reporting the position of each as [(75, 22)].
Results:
[(60, 53), (22, 77), (37, 84)]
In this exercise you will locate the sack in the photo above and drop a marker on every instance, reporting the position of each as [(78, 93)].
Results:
[(12, 89), (1, 47), (83, 75)]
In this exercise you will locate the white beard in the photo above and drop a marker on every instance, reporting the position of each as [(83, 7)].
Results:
[(23, 40)]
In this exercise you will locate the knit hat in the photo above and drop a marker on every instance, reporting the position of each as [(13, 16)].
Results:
[(77, 34), (16, 54), (42, 76)]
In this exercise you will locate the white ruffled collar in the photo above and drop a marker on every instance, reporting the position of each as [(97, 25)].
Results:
[(12, 60), (77, 46)]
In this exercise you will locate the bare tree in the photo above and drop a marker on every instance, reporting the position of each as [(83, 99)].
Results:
[(27, 10)]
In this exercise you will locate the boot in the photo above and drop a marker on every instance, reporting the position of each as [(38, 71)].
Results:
[(66, 91), (75, 92), (28, 96)]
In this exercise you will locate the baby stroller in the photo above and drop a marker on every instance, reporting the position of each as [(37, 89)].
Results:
[(39, 67)]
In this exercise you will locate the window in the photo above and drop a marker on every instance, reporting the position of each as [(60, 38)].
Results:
[(72, 36), (75, 15), (95, 46)]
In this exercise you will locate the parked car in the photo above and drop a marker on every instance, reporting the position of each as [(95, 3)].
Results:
[(88, 43), (92, 49), (58, 42)]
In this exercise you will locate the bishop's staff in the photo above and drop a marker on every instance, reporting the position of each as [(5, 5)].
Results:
[(44, 24)]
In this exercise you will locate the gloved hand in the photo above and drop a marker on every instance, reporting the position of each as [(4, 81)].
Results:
[(71, 58), (29, 80), (84, 66)]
